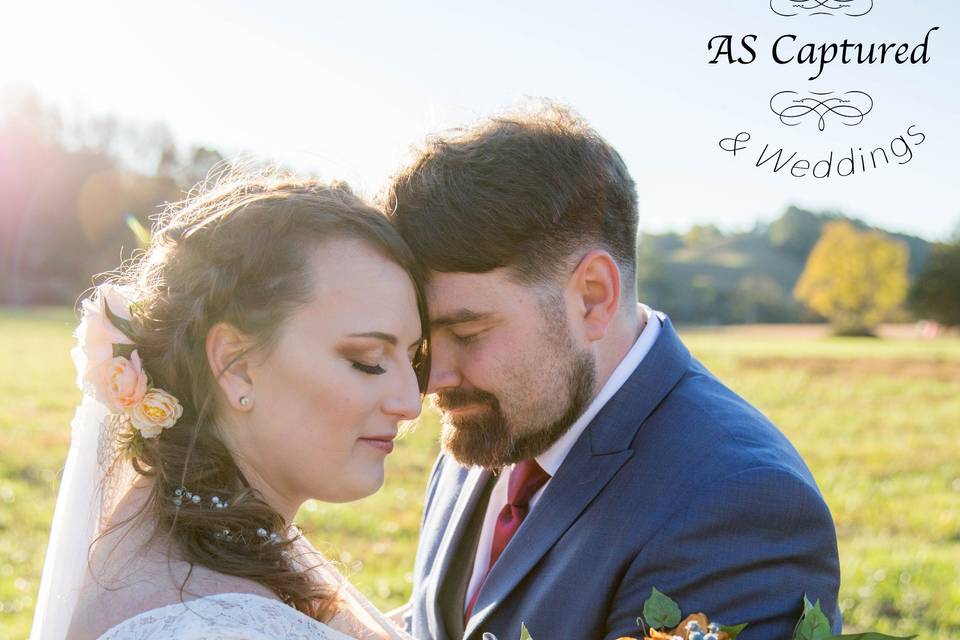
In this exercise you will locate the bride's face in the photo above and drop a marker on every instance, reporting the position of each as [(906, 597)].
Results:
[(328, 397)]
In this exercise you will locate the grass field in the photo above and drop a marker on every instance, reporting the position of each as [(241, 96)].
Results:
[(877, 420)]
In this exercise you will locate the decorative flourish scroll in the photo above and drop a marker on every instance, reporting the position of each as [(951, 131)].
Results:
[(850, 8), (850, 107)]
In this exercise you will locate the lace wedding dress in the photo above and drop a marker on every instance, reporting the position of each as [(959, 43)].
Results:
[(242, 616), (249, 616), (239, 616)]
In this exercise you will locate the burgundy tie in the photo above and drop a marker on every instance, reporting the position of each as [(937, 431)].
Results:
[(526, 479)]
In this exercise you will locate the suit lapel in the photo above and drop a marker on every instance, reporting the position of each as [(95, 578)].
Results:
[(576, 484), (617, 423), (472, 489)]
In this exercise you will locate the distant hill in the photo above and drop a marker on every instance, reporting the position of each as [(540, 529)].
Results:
[(708, 277)]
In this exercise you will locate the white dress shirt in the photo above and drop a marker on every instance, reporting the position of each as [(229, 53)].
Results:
[(552, 458)]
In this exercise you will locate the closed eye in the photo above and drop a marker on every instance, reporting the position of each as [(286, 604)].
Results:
[(374, 370), (467, 338)]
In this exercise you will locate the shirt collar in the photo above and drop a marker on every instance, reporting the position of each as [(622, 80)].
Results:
[(551, 459)]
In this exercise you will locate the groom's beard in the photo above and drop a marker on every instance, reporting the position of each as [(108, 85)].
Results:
[(485, 437)]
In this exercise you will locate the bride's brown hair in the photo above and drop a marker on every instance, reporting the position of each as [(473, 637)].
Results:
[(234, 251)]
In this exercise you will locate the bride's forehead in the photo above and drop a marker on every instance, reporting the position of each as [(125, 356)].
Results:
[(367, 301), (346, 257), (382, 302), (353, 272)]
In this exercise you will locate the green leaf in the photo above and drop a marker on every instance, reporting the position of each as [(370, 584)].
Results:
[(524, 634), (120, 323), (813, 624), (734, 630), (123, 350), (660, 611)]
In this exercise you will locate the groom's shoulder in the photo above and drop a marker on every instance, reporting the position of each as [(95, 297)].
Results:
[(707, 458), (702, 418)]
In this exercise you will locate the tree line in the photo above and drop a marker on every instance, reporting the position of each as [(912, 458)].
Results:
[(72, 190), (75, 192), (802, 267)]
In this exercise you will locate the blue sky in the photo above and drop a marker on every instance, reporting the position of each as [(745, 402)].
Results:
[(346, 90)]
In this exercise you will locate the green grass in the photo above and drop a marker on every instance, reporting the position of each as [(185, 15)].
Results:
[(877, 420)]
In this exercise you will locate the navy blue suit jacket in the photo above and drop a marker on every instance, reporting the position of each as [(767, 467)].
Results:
[(678, 484)]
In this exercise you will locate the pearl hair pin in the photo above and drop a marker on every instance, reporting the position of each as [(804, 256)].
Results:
[(183, 497)]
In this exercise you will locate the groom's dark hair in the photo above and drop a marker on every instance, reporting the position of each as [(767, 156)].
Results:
[(526, 190)]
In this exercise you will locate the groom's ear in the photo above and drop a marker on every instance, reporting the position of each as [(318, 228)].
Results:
[(227, 349), (595, 286)]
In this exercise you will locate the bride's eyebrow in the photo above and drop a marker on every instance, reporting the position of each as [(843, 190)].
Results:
[(389, 338)]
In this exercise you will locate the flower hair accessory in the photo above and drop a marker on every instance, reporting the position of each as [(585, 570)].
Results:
[(109, 366)]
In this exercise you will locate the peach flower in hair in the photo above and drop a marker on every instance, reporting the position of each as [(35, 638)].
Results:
[(158, 410), (122, 382)]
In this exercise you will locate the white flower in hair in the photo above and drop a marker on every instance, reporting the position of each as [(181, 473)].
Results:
[(97, 335), (109, 367)]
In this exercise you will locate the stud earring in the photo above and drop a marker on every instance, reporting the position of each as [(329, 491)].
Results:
[(246, 402)]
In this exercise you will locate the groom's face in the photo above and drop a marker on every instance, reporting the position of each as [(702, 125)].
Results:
[(507, 371)]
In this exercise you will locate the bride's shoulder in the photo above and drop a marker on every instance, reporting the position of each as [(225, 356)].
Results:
[(237, 616), (131, 572), (149, 583)]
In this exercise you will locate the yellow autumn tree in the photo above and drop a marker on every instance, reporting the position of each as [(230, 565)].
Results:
[(854, 278)]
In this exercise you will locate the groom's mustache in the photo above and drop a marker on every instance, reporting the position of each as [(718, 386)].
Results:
[(457, 398)]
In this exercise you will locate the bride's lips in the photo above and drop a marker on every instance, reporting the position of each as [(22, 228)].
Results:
[(381, 443)]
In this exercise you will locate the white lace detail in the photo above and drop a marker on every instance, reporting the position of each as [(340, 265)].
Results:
[(225, 616)]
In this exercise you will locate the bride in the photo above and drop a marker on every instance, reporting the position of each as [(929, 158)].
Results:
[(260, 353)]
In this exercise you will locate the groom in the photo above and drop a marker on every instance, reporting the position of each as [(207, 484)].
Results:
[(587, 456)]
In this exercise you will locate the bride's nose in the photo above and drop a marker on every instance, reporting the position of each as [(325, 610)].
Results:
[(404, 402)]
